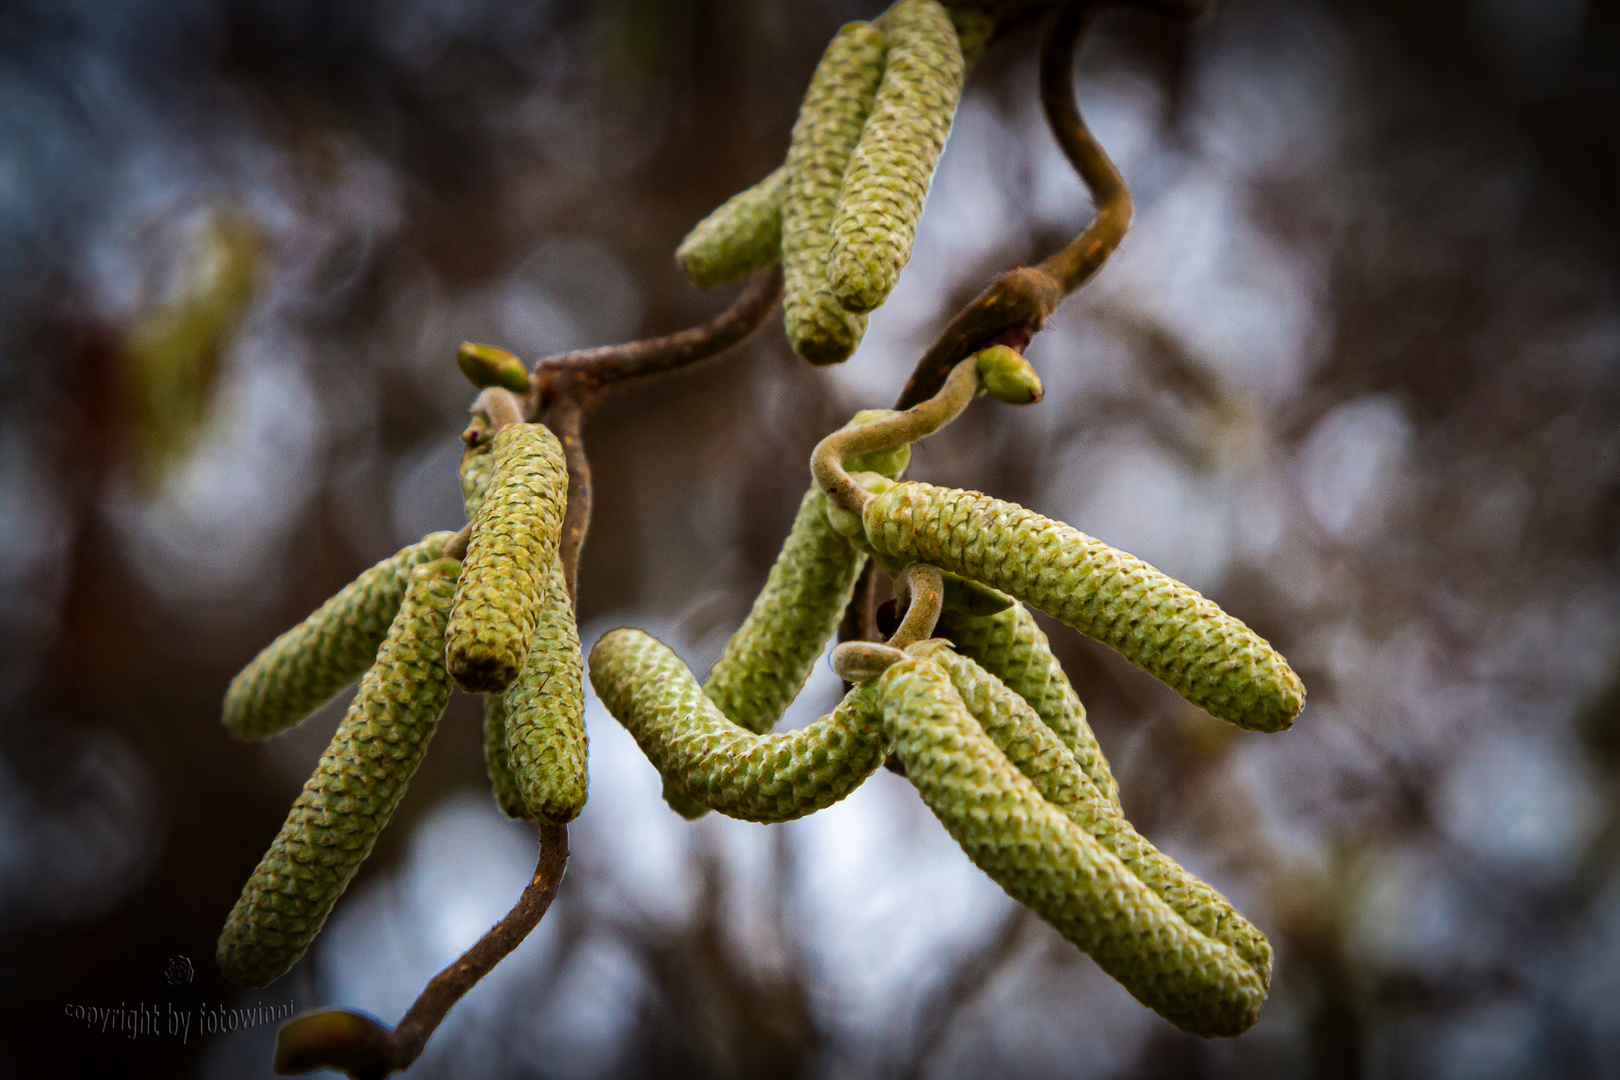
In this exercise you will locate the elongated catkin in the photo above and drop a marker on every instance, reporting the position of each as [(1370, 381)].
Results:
[(353, 792), (892, 163), (725, 767), (829, 125), (743, 234), (1047, 862), (1038, 753), (509, 556), (545, 713), (305, 667), (1011, 647), (1157, 623)]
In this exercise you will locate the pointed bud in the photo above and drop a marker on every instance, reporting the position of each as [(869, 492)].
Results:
[(1007, 376), (489, 365)]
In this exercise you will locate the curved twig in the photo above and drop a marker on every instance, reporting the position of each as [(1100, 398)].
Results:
[(340, 1039), (1017, 303)]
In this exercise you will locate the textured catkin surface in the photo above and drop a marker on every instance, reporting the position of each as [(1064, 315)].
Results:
[(353, 792), (497, 761), (725, 767), (743, 234), (545, 713), (306, 666), (829, 125), (1047, 862), (1037, 753), (891, 165), (767, 660), (509, 556), (1159, 624), (477, 463), (1015, 650)]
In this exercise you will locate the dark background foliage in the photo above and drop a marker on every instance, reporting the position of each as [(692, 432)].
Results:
[(1354, 373)]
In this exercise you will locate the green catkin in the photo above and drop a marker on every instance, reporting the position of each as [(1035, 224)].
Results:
[(353, 792), (1047, 862), (1010, 646), (742, 235), (828, 127), (889, 169), (768, 659), (477, 462), (497, 760), (545, 713), (1038, 753), (727, 768), (305, 667), (974, 29), (1166, 628), (509, 556)]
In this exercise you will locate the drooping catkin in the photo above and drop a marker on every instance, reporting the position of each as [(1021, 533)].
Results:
[(768, 659), (724, 767), (743, 234), (1009, 645), (477, 463), (545, 713), (1040, 755), (353, 792), (509, 556), (1047, 862), (305, 667), (891, 165), (1166, 628), (829, 125)]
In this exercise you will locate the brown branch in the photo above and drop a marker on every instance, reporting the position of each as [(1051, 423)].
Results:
[(1017, 303), (565, 388), (585, 371), (340, 1039)]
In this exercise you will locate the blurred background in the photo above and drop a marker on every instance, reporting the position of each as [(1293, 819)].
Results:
[(1355, 373)]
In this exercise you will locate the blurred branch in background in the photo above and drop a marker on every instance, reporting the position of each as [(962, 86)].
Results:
[(1353, 373)]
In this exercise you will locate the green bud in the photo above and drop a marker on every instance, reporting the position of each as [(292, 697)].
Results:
[(489, 365), (1007, 376)]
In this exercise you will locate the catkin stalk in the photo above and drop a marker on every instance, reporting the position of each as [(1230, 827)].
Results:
[(509, 555), (1047, 862), (545, 713), (305, 667), (829, 125), (890, 167), (743, 234), (353, 792), (1166, 628), (727, 768)]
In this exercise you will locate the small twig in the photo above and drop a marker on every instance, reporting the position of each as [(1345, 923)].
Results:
[(566, 419), (338, 1038), (923, 589), (585, 371), (1018, 302), (565, 388)]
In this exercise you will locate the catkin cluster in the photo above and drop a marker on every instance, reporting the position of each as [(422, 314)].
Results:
[(841, 213), (981, 715), (408, 628)]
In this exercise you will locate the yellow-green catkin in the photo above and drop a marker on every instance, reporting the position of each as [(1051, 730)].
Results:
[(1166, 628), (477, 463), (545, 713), (743, 234), (1038, 753), (1010, 646), (891, 165), (305, 667), (731, 770), (509, 557), (1047, 862), (353, 792), (829, 125)]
